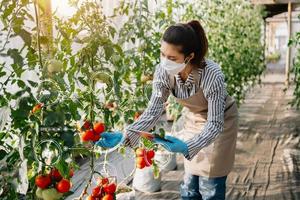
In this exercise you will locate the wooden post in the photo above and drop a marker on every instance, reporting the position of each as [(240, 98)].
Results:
[(265, 40), (46, 29), (288, 53)]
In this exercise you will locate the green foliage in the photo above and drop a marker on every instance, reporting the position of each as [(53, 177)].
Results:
[(234, 40), (296, 70)]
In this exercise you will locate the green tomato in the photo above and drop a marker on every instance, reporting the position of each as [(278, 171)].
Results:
[(51, 194), (39, 193), (54, 66)]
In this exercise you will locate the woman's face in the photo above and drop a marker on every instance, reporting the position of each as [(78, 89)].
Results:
[(171, 52)]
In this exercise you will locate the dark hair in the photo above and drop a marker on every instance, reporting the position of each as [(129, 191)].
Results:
[(190, 37)]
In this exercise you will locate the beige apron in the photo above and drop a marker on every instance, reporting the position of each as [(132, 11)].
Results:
[(215, 160)]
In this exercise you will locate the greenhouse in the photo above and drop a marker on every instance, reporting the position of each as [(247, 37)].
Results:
[(149, 99)]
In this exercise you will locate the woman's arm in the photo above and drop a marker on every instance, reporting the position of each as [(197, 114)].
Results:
[(216, 97), (160, 94)]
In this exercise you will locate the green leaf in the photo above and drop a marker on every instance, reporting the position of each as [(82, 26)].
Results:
[(16, 56), (108, 50), (32, 83), (2, 74), (119, 49), (21, 83), (68, 138), (21, 112), (162, 132), (63, 33), (63, 168), (26, 36), (2, 154), (2, 135), (54, 118), (8, 10), (82, 81)]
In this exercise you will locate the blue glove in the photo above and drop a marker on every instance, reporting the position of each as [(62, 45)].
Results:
[(174, 145), (110, 139)]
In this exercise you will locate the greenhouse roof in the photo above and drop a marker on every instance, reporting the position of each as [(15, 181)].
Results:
[(275, 7)]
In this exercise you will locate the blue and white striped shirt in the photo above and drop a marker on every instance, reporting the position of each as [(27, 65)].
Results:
[(211, 80)]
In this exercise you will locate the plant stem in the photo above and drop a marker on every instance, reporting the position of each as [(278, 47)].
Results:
[(38, 34), (92, 162), (92, 117)]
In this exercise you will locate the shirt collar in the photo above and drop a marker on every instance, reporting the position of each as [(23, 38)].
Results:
[(189, 81)]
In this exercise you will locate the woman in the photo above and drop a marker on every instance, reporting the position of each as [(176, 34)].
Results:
[(210, 115)]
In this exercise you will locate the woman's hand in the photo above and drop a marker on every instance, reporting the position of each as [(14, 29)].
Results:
[(173, 144), (110, 139)]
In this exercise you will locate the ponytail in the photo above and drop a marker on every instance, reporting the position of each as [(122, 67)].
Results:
[(202, 43)]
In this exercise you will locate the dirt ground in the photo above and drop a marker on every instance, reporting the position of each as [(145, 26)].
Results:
[(268, 149)]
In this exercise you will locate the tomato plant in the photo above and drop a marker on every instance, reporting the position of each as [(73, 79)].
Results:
[(296, 70), (234, 40)]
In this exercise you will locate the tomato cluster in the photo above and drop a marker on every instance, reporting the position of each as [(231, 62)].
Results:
[(46, 182), (91, 133), (104, 190), (144, 157)]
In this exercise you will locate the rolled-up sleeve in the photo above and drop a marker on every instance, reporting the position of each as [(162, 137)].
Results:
[(216, 97), (148, 119)]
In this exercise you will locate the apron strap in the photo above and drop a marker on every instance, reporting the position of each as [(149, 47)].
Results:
[(172, 82), (196, 76)]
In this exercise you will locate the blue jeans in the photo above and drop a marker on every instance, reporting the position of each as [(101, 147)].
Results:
[(203, 188)]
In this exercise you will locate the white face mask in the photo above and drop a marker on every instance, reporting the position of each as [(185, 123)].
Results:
[(172, 67)]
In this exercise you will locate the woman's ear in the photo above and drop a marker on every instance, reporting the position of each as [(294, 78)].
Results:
[(190, 57)]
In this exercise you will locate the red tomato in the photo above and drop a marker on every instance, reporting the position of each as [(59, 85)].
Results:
[(90, 198), (140, 152), (63, 186), (55, 174), (96, 191), (99, 127), (86, 125), (87, 135), (110, 188), (43, 181), (102, 181), (150, 154), (140, 162), (148, 162), (96, 137), (71, 173), (108, 197)]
